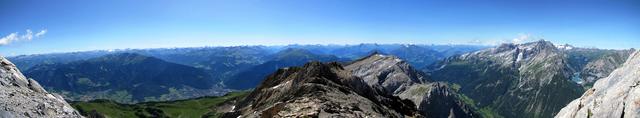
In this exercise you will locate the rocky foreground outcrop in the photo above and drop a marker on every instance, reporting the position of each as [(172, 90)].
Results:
[(320, 90), (616, 96), (21, 97)]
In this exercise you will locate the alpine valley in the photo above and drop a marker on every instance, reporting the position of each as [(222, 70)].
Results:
[(529, 80)]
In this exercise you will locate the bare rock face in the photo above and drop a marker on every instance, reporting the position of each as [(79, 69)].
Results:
[(603, 66), (21, 97), (615, 96), (515, 80), (398, 78), (319, 90), (386, 71)]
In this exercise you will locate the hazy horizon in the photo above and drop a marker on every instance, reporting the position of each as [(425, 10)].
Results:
[(37, 27)]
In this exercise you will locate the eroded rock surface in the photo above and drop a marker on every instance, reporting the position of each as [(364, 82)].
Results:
[(21, 97), (616, 96), (398, 78), (320, 90)]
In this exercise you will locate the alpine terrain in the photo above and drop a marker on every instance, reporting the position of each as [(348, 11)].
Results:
[(398, 78), (21, 97), (375, 86), (514, 80), (616, 96), (126, 78)]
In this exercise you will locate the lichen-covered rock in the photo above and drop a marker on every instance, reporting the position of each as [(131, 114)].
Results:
[(615, 96), (21, 97)]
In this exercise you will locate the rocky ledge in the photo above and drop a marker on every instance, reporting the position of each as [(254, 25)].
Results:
[(22, 98)]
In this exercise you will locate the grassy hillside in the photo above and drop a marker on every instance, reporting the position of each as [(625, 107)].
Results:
[(191, 108)]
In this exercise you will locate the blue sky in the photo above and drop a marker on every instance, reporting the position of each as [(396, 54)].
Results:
[(80, 25)]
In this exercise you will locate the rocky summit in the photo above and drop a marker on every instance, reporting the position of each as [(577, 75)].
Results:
[(398, 78), (22, 97), (320, 90), (514, 80), (375, 86), (385, 71), (616, 96)]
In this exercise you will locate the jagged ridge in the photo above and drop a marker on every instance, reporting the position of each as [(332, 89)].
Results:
[(319, 90)]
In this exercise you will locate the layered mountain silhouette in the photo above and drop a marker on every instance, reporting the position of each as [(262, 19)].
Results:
[(124, 77), (534, 79), (251, 77), (375, 86)]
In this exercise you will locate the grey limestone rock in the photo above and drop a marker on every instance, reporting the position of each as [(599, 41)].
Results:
[(616, 96), (21, 97)]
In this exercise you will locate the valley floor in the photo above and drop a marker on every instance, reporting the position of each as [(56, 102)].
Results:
[(190, 108)]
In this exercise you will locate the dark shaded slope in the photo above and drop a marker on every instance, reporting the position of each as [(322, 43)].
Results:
[(124, 77), (398, 78), (290, 57)]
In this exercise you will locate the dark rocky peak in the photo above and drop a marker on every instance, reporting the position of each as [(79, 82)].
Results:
[(537, 45), (397, 78), (541, 43), (319, 90), (515, 55), (505, 47), (386, 71)]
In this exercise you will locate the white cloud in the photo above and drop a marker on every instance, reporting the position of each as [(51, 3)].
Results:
[(519, 39), (522, 37), (16, 36), (9, 38), (42, 32), (28, 36)]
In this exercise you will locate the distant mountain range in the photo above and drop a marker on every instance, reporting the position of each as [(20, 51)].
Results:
[(109, 74), (124, 77), (251, 77), (525, 80), (535, 79)]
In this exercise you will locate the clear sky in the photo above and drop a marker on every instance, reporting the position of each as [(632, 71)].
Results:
[(63, 26)]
